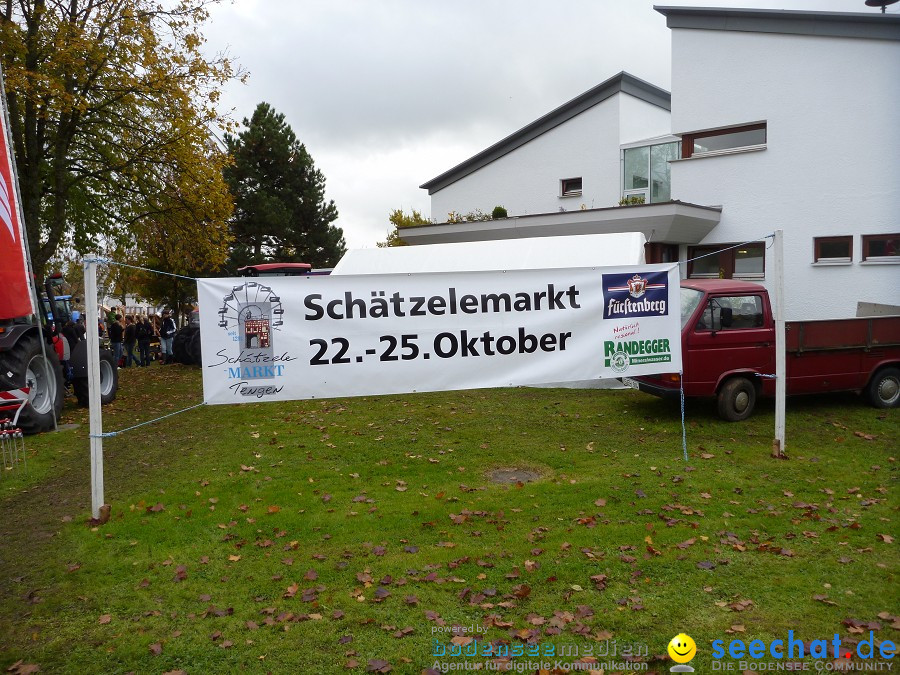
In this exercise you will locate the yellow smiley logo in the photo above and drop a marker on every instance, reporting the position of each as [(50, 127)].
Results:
[(682, 648)]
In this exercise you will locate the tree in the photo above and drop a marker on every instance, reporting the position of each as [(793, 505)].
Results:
[(110, 108), (280, 210), (399, 220)]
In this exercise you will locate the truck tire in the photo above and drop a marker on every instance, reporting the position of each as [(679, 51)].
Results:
[(884, 388), (109, 381), (736, 399), (26, 366)]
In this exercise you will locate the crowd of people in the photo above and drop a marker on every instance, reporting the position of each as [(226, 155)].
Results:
[(129, 334)]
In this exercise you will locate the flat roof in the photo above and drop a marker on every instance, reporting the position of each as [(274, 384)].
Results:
[(623, 82), (672, 222), (874, 25)]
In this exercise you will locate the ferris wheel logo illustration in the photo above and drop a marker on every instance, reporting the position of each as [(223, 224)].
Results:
[(251, 314)]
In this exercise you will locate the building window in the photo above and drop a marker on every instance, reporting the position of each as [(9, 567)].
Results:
[(833, 249), (711, 262), (723, 141), (570, 187), (646, 172), (881, 248), (660, 253)]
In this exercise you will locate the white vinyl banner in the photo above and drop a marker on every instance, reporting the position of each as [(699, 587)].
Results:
[(285, 338)]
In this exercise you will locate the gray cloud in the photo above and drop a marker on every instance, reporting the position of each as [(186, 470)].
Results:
[(386, 94)]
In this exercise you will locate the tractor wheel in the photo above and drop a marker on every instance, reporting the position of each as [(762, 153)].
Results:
[(195, 349), (26, 365), (181, 345), (109, 381)]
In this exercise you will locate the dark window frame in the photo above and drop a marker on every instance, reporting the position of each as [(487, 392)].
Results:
[(867, 240), (656, 252), (687, 140), (567, 189), (817, 248), (726, 260)]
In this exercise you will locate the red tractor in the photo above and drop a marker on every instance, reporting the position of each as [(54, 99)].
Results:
[(45, 371)]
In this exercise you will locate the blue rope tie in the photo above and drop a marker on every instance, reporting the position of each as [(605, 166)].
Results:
[(768, 377), (110, 434)]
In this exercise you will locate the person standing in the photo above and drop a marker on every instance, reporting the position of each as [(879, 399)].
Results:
[(129, 340), (167, 332), (116, 333), (144, 332)]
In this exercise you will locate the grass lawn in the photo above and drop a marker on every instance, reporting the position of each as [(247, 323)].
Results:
[(361, 535)]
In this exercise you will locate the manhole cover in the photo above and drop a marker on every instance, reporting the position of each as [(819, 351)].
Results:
[(512, 475)]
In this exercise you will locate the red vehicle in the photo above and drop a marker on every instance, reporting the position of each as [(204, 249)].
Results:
[(728, 349)]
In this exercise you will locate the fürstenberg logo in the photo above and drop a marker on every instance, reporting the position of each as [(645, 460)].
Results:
[(633, 295)]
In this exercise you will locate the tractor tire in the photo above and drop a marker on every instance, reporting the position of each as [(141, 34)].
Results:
[(195, 349), (109, 381), (25, 365), (736, 399), (884, 388), (181, 345)]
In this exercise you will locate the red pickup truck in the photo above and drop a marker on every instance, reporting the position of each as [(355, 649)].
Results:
[(728, 350)]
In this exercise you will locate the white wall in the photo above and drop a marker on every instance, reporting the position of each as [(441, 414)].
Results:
[(526, 181), (832, 163), (639, 120)]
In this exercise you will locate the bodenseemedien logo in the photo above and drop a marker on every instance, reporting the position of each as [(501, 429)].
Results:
[(682, 649)]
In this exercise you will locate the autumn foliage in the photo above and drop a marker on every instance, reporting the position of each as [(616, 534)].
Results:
[(112, 107)]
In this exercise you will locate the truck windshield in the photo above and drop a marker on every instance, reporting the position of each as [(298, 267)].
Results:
[(690, 298)]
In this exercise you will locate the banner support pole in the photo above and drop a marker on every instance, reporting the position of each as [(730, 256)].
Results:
[(96, 414), (780, 333)]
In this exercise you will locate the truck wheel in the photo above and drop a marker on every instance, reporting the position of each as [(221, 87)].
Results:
[(29, 368), (109, 381), (884, 388), (736, 399)]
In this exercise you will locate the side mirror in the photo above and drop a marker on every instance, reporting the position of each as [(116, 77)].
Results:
[(727, 317), (720, 317)]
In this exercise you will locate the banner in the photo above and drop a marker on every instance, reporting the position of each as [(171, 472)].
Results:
[(284, 338), (15, 293)]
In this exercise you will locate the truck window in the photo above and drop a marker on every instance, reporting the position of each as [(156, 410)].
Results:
[(733, 312), (690, 298)]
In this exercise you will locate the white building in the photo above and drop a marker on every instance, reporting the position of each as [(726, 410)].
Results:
[(777, 120)]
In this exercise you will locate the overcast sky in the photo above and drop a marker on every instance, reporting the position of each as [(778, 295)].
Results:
[(387, 94)]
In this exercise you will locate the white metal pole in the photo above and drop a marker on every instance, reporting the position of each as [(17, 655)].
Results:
[(780, 365), (96, 415)]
